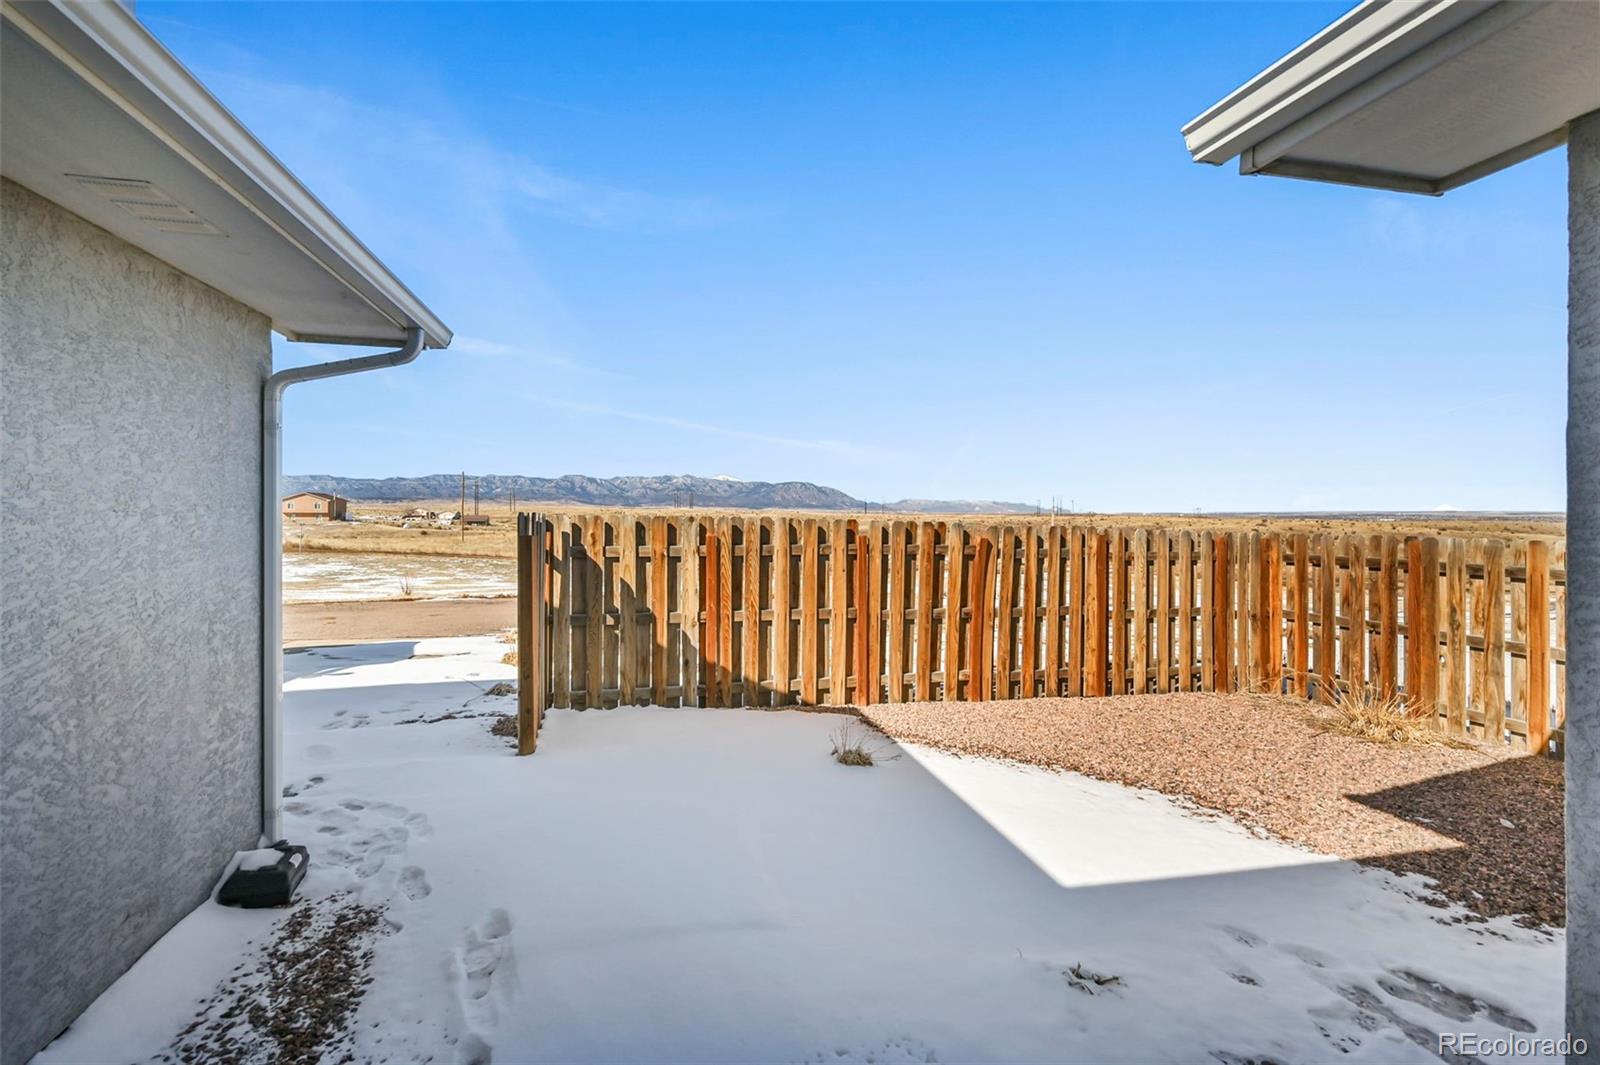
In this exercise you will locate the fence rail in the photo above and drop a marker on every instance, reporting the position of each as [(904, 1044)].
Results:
[(773, 610)]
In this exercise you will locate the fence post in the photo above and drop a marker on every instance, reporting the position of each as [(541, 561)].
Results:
[(531, 678), (1538, 645)]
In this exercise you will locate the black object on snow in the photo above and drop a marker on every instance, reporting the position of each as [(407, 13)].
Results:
[(270, 885)]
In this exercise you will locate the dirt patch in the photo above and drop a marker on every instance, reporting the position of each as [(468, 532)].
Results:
[(504, 726), (294, 1004), (323, 624), (1486, 827)]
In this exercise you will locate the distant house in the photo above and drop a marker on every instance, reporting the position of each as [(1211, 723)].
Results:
[(315, 505), (475, 519)]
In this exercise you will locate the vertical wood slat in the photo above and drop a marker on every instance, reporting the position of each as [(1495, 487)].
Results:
[(1327, 623), (624, 589), (1494, 643), (873, 571), (727, 605), (1538, 645), (1163, 615), (898, 602), (711, 584), (1272, 546), (594, 609), (722, 604), (955, 552), (980, 636), (1455, 637), (1355, 662), (927, 534), (1139, 599), (1244, 660), (751, 589), (810, 620), (1221, 613), (1119, 610), (660, 596), (1096, 586), (561, 617), (1183, 603), (1004, 622), (1074, 565), (1558, 593), (838, 610), (862, 621), (1517, 601), (1388, 606), (1300, 633), (689, 611), (1028, 589), (1056, 585), (1208, 612), (1422, 624), (1252, 606), (527, 734), (782, 610)]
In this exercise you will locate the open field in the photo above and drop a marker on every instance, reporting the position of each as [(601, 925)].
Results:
[(928, 908), (499, 539)]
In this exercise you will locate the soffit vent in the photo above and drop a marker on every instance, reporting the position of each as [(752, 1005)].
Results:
[(148, 204)]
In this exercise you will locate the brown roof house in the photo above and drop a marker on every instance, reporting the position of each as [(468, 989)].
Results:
[(143, 228), (315, 505)]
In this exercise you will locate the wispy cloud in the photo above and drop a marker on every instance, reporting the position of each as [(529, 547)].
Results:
[(479, 346), (839, 447)]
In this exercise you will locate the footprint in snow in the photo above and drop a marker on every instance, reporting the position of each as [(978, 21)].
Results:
[(900, 1051), (485, 969)]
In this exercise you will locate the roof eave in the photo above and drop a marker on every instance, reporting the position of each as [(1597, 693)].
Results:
[(1376, 47), (107, 45)]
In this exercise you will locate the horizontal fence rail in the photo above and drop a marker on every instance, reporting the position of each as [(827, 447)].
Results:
[(766, 610)]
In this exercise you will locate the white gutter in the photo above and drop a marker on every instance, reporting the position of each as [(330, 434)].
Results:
[(272, 561)]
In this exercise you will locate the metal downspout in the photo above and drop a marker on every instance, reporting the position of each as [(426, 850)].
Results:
[(272, 561)]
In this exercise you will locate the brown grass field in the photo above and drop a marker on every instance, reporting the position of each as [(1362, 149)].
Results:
[(498, 540)]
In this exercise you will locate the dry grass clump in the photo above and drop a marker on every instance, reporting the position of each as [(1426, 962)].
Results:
[(855, 743), (1386, 719), (509, 658), (408, 589)]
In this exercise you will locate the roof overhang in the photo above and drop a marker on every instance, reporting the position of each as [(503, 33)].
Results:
[(1413, 95), (96, 115)]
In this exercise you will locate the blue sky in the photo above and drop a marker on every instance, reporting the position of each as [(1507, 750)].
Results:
[(941, 251)]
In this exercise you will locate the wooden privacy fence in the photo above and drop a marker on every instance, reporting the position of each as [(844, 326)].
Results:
[(773, 610)]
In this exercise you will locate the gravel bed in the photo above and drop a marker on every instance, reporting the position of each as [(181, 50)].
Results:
[(293, 1003), (1485, 827)]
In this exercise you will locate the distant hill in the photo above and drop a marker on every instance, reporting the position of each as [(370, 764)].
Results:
[(671, 490)]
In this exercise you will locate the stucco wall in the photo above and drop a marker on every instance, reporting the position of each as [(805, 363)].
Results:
[(1583, 582), (129, 605)]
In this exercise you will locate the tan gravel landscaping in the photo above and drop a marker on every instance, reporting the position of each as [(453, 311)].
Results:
[(1485, 826)]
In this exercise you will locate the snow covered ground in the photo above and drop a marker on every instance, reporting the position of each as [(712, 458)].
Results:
[(342, 576), (707, 885)]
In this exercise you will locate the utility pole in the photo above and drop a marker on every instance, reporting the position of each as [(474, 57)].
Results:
[(461, 515)]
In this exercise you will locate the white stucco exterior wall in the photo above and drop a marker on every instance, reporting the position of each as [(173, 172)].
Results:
[(1583, 581), (129, 604)]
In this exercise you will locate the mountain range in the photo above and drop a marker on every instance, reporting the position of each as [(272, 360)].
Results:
[(669, 490)]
